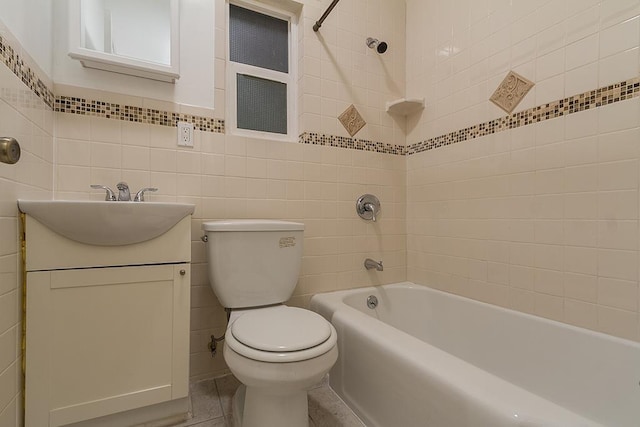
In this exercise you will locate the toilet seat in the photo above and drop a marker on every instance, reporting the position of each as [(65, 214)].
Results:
[(280, 334)]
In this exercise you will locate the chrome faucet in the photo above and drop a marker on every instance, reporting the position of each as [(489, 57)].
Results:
[(124, 195), (370, 264)]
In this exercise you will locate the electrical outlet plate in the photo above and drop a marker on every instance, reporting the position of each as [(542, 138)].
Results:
[(185, 134)]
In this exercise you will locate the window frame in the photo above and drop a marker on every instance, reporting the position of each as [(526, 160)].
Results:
[(290, 79)]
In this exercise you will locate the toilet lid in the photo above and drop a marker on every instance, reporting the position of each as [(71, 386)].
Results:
[(284, 329)]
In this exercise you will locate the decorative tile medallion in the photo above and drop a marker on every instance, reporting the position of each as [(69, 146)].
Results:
[(511, 91), (352, 120)]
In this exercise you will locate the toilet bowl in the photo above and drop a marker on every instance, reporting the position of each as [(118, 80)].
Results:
[(277, 352)]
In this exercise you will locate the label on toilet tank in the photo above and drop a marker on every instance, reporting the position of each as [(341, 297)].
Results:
[(287, 242)]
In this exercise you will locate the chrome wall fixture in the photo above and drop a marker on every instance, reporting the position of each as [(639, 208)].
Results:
[(380, 47), (9, 150), (368, 207), (370, 264)]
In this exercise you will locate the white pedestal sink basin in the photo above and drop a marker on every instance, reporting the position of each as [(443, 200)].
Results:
[(106, 223)]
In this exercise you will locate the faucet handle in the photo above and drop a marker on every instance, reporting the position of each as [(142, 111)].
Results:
[(109, 196), (140, 194), (368, 207)]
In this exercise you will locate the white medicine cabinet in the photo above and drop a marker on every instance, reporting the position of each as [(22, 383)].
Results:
[(135, 37)]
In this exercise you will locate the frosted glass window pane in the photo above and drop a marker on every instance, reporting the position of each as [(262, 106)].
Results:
[(259, 40), (262, 105)]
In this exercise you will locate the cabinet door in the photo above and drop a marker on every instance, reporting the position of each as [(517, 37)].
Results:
[(104, 340)]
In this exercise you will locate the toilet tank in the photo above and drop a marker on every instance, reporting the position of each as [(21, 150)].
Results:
[(253, 262)]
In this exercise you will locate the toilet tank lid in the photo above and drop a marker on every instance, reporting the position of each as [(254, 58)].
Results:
[(252, 225)]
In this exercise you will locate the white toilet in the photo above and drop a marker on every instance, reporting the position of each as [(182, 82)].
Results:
[(277, 352)]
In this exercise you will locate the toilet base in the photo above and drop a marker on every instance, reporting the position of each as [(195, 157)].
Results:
[(254, 407)]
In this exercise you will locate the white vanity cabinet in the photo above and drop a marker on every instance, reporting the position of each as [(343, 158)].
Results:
[(107, 328)]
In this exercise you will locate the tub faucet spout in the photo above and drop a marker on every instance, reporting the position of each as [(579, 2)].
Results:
[(371, 264)]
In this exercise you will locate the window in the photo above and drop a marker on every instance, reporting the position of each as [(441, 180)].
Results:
[(260, 77)]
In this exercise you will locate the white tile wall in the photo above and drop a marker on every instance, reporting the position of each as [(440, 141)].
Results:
[(561, 239), (338, 69), (568, 234), (229, 176), (26, 118)]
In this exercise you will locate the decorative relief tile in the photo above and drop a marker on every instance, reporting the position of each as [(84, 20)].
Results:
[(511, 91), (352, 120)]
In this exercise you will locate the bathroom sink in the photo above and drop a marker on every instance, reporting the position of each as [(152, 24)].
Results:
[(106, 223)]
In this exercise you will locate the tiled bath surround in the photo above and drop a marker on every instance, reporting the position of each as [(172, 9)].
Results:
[(541, 218)]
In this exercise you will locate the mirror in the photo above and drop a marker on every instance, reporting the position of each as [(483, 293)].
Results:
[(136, 37)]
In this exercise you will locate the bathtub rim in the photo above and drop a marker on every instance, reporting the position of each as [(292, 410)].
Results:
[(338, 297)]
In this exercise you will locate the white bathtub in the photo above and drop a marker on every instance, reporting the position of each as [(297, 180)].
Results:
[(432, 359)]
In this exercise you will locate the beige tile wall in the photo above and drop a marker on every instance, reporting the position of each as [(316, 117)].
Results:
[(542, 218), (234, 177), (231, 177), (26, 118), (337, 69), (528, 220)]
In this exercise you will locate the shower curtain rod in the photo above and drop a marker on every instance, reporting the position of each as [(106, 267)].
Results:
[(326, 13)]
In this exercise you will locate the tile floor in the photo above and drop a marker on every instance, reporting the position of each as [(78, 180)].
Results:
[(211, 405)]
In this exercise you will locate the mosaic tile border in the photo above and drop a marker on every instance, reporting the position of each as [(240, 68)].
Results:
[(626, 89), (96, 108), (18, 66), (350, 143), (621, 91), (128, 113)]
